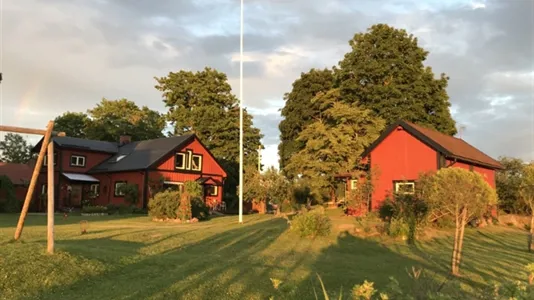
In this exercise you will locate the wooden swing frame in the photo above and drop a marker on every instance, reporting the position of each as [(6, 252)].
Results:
[(47, 147)]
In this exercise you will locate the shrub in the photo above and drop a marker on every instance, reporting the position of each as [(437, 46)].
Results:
[(131, 192), (407, 210), (199, 209), (10, 204), (312, 224), (89, 209), (184, 209), (398, 228), (164, 205)]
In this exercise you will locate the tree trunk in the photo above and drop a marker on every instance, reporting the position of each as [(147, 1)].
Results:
[(455, 245), (531, 232), (461, 241)]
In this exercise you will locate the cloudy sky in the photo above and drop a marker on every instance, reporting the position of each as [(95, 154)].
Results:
[(65, 55)]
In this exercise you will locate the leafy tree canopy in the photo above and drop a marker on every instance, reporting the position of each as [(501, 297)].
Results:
[(384, 72), (112, 118), (299, 111), (15, 149), (73, 124), (202, 103), (334, 140), (508, 182)]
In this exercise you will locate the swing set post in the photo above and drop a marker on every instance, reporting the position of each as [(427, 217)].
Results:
[(47, 144)]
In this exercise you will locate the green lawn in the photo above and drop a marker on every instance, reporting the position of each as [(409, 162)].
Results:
[(134, 258)]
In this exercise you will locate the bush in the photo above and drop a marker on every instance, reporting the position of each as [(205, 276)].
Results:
[(312, 224), (131, 192), (398, 228), (10, 205), (184, 209), (94, 209), (408, 211), (199, 209), (164, 205)]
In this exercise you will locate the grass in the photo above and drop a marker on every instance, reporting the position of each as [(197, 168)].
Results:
[(134, 258)]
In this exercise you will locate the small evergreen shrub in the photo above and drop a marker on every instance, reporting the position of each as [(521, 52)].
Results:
[(312, 224), (164, 205), (131, 192), (184, 209), (199, 209)]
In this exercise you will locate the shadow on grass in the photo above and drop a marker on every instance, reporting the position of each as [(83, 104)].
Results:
[(11, 220), (352, 260), (217, 265)]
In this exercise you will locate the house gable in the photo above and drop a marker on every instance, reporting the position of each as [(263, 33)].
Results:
[(447, 146), (193, 148)]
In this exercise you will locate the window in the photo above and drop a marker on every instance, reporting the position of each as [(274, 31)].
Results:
[(405, 187), (43, 189), (189, 156), (173, 186), (94, 189), (45, 161), (118, 191), (196, 163), (180, 161), (77, 161), (212, 190), (354, 184)]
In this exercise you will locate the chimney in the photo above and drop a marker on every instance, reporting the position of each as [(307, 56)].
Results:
[(124, 139)]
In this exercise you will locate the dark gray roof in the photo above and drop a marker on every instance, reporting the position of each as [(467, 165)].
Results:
[(82, 144), (140, 155)]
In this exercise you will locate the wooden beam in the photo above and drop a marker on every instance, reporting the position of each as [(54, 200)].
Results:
[(29, 130), (33, 181), (50, 194)]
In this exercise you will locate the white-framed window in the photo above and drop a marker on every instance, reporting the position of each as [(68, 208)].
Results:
[(77, 161), (212, 190), (44, 189), (180, 161), (94, 189), (196, 162), (118, 192), (173, 185), (45, 160), (354, 184), (405, 187)]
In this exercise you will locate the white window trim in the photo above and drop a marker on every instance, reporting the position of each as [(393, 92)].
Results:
[(354, 184), (216, 191), (184, 162), (78, 158), (399, 184), (44, 189), (199, 162), (94, 190), (115, 191)]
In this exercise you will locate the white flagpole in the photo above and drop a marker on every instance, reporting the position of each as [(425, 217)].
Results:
[(241, 121)]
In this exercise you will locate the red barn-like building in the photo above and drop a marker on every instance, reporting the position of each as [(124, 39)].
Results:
[(94, 170), (405, 150)]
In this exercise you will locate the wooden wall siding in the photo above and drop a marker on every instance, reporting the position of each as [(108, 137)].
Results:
[(107, 187), (488, 174), (91, 159), (209, 165), (400, 156)]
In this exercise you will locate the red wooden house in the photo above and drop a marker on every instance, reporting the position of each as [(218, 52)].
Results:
[(20, 175), (405, 150), (94, 170)]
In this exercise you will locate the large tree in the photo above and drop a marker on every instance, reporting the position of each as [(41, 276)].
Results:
[(298, 111), (333, 141), (526, 194), (73, 124), (15, 149), (112, 118), (508, 182), (384, 72), (202, 103)]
